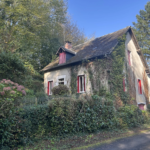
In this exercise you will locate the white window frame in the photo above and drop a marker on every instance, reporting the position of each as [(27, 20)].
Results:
[(49, 86), (83, 83)]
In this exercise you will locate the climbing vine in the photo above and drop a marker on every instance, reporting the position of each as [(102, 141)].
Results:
[(74, 73), (117, 74), (106, 74)]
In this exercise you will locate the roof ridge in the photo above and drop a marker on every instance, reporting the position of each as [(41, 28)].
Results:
[(100, 36), (114, 32)]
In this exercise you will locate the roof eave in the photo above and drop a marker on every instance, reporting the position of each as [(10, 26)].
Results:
[(65, 50), (71, 63)]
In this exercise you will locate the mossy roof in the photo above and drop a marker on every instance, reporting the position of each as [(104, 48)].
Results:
[(91, 49)]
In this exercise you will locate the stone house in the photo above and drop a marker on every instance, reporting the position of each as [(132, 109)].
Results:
[(89, 67)]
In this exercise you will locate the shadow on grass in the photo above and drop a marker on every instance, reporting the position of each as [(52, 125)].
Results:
[(87, 141)]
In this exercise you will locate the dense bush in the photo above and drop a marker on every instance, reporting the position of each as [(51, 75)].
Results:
[(60, 90), (65, 115), (7, 120), (17, 70), (148, 107), (9, 89), (12, 67), (130, 116)]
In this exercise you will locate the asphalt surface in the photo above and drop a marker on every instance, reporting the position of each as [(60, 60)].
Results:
[(137, 142)]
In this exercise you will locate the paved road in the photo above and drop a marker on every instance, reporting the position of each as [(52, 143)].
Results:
[(137, 142)]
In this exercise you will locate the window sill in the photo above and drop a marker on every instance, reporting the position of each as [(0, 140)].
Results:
[(82, 92)]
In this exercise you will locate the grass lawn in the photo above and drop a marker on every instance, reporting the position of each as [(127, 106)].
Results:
[(80, 142)]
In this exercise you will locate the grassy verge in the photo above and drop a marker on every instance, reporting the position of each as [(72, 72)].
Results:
[(80, 142)]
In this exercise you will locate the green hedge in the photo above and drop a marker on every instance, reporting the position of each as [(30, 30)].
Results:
[(69, 116), (130, 116)]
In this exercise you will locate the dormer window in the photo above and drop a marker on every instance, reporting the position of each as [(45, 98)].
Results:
[(65, 53), (62, 58)]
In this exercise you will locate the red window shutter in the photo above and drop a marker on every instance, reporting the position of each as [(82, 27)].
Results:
[(48, 88), (129, 59), (78, 84), (124, 84), (84, 84), (139, 86), (62, 58)]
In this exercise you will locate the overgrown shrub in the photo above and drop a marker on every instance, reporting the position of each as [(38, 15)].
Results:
[(7, 120), (33, 123), (9, 89), (130, 116), (67, 115), (12, 67), (60, 90), (148, 107)]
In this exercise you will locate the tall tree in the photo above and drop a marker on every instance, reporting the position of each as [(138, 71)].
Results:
[(28, 26), (73, 33), (142, 30), (35, 29), (23, 23)]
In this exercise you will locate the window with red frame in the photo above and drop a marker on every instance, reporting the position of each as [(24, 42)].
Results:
[(129, 57), (62, 58), (139, 86), (49, 87), (81, 83)]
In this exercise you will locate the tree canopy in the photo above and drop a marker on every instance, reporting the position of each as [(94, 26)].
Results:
[(31, 31), (34, 29), (142, 30)]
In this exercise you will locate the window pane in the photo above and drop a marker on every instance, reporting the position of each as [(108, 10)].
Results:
[(61, 81), (51, 86), (81, 83)]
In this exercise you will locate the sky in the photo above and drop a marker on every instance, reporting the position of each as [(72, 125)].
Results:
[(100, 17)]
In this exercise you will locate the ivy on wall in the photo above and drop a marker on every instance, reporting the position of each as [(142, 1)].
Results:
[(74, 73), (117, 75), (109, 68)]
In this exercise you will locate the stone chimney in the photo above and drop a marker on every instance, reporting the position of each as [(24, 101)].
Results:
[(68, 45)]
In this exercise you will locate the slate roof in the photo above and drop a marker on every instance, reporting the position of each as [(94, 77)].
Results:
[(65, 50), (91, 49)]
